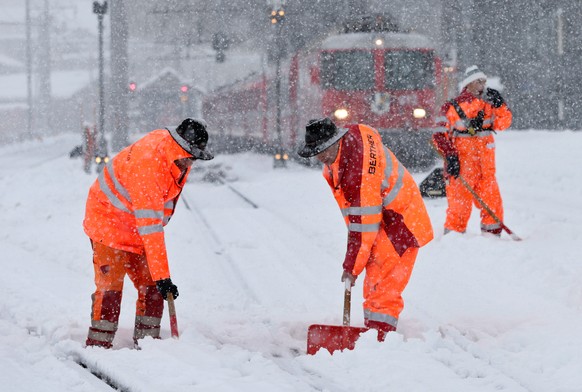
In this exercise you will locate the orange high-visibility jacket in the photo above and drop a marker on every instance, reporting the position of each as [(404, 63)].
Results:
[(450, 123), (135, 196), (375, 192)]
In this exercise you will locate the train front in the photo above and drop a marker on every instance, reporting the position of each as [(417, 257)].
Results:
[(385, 80)]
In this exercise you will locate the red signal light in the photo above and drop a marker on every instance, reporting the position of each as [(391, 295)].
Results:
[(184, 89), (132, 86)]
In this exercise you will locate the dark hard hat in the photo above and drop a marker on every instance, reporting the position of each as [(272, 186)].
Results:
[(320, 134), (193, 137)]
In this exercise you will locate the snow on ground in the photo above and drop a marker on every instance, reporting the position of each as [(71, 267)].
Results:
[(482, 314)]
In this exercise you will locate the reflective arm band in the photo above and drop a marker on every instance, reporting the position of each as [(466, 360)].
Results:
[(359, 211), (151, 229), (364, 228), (149, 214)]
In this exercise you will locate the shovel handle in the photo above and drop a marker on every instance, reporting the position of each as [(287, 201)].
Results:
[(173, 319), (347, 302), (489, 211)]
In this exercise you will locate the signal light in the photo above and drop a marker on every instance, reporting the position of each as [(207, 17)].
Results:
[(277, 16), (184, 89), (132, 86)]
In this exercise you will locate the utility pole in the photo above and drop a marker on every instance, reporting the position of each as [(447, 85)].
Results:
[(28, 71), (277, 17), (101, 157), (118, 92), (560, 51), (44, 71)]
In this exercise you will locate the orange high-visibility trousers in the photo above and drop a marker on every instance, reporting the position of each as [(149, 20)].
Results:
[(110, 266), (477, 158), (387, 275)]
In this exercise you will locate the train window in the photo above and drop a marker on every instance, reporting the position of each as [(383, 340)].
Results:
[(347, 70), (409, 70)]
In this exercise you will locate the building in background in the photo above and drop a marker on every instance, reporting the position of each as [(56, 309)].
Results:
[(532, 47)]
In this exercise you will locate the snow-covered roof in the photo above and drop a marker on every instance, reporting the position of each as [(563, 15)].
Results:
[(8, 61), (164, 72), (64, 84), (367, 41)]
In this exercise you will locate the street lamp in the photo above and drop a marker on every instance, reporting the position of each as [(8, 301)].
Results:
[(277, 16), (101, 156)]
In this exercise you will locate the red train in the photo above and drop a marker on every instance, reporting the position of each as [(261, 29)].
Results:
[(389, 80)]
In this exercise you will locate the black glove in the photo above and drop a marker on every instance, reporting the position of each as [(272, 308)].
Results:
[(453, 166), (494, 97), (475, 125), (166, 286)]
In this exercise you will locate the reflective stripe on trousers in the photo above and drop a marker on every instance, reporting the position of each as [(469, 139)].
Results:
[(381, 318), (146, 326)]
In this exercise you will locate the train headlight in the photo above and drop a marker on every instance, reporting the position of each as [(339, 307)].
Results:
[(419, 113), (379, 41), (102, 159), (341, 114)]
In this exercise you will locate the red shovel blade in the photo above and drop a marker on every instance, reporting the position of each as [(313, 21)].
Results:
[(332, 337)]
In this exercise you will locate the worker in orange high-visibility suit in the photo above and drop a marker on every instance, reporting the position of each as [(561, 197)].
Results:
[(128, 205), (464, 137), (384, 212)]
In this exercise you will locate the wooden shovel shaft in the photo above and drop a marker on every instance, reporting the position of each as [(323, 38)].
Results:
[(173, 319), (489, 211), (347, 303)]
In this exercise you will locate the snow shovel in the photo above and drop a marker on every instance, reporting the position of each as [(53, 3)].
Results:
[(513, 236), (173, 319), (335, 337)]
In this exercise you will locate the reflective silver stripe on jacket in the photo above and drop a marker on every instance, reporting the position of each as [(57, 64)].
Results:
[(459, 124), (150, 229), (477, 134), (359, 211), (380, 317), (364, 228), (490, 145), (114, 200), (393, 193), (154, 214)]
